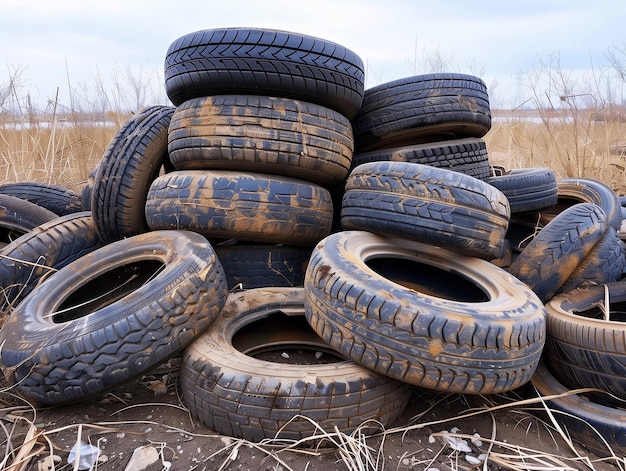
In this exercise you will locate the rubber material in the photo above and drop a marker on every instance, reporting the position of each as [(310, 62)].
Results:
[(528, 189), (58, 199), (422, 314), (18, 216)]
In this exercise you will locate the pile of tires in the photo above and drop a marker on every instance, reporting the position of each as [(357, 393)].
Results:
[(278, 210)]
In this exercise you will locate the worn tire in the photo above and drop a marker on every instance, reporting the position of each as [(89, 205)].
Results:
[(268, 62), (253, 133), (263, 265), (111, 316), (238, 394), (599, 428), (528, 189), (55, 198), (584, 349), (559, 248), (18, 216), (468, 156), (38, 254), (422, 108), (132, 161), (432, 205), (253, 207), (423, 314)]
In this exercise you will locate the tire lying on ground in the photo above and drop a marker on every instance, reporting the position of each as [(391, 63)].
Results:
[(257, 61), (585, 345), (432, 205), (253, 133), (422, 108), (528, 189), (58, 199), (599, 428), (468, 156), (132, 161), (254, 207), (422, 314), (42, 251), (559, 248), (18, 216), (260, 372), (111, 315)]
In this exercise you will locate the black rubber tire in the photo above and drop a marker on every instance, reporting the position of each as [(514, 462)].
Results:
[(111, 316), (18, 216), (85, 194), (268, 62), (240, 395), (55, 198), (422, 108), (249, 266), (600, 429), (36, 255), (553, 254), (132, 161), (423, 314), (528, 189), (468, 156), (253, 133), (253, 207), (583, 349), (432, 205), (605, 263)]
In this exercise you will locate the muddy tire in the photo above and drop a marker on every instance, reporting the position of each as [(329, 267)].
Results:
[(253, 61), (262, 134), (39, 253), (432, 205), (132, 161), (111, 316), (584, 349), (599, 428), (468, 156), (54, 198), (235, 391), (528, 189), (253, 207), (18, 216), (559, 248), (422, 314), (422, 108)]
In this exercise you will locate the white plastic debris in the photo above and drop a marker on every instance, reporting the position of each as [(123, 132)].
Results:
[(87, 455), (472, 460), (476, 440), (457, 444), (142, 458), (284, 355)]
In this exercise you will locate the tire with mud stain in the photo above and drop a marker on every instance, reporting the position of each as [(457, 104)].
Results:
[(254, 207), (423, 314), (18, 216), (111, 316), (528, 189), (39, 253), (559, 248), (56, 198), (599, 428), (132, 161), (264, 62), (261, 372), (432, 205), (253, 133), (422, 108)]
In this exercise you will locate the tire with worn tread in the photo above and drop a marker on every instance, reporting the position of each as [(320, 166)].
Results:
[(422, 314), (528, 189), (233, 390), (18, 216), (254, 133), (432, 205), (56, 198), (268, 62), (254, 207), (111, 316)]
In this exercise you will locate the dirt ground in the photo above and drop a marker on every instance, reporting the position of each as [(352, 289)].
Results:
[(149, 412)]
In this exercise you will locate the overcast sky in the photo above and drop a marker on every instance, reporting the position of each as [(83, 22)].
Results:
[(53, 43)]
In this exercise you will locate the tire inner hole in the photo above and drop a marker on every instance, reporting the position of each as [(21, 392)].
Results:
[(282, 338), (616, 312), (106, 289), (428, 279)]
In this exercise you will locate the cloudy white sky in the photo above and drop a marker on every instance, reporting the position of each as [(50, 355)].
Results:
[(65, 44)]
